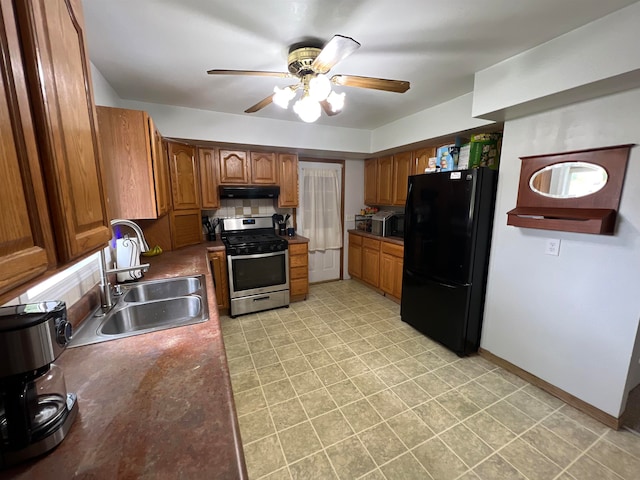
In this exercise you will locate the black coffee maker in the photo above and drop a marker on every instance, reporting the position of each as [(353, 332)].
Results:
[(36, 412)]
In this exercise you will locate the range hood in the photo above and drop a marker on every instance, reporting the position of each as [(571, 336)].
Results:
[(253, 191)]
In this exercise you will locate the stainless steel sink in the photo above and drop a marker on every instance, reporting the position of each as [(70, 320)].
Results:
[(147, 307), (159, 289)]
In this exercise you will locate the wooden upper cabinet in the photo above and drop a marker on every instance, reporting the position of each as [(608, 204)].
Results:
[(385, 176), (402, 167), (234, 166), (421, 159), (263, 168), (57, 67), (160, 157), (26, 241), (183, 165), (208, 158), (288, 180), (137, 174), (371, 181)]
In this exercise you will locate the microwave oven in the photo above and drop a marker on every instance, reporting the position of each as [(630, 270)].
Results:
[(388, 224)]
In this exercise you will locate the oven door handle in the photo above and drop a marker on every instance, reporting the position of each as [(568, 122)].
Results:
[(258, 255)]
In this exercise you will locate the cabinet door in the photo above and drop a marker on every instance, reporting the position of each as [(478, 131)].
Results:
[(387, 277), (371, 261), (402, 166), (397, 277), (160, 171), (288, 180), (220, 278), (371, 181), (59, 74), (421, 159), (385, 180), (26, 242), (185, 191), (186, 228), (233, 167), (128, 149), (391, 259), (355, 256), (208, 158), (263, 168)]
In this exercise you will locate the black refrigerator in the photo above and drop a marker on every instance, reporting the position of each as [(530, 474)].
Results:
[(448, 223)]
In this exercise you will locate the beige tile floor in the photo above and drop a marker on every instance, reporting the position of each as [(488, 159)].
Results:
[(339, 387)]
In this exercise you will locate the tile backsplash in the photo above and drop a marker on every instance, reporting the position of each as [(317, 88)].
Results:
[(247, 208)]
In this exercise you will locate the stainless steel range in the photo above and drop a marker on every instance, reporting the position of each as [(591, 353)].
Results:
[(258, 264)]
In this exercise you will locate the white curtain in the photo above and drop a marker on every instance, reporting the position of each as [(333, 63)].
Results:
[(321, 209)]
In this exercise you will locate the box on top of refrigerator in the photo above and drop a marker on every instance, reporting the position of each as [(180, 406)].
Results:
[(485, 150)]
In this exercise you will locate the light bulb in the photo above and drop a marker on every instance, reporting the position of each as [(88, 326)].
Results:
[(319, 87), (336, 100), (307, 109), (282, 96)]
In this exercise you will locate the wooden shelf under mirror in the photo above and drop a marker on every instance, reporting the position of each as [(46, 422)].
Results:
[(575, 191)]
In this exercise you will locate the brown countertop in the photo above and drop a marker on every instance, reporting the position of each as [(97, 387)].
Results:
[(297, 239), (157, 405), (397, 241)]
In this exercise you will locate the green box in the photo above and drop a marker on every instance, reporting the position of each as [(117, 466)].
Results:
[(485, 150)]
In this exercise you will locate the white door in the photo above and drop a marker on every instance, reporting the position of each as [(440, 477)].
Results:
[(324, 264)]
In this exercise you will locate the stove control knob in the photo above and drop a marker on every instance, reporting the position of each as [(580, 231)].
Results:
[(64, 332)]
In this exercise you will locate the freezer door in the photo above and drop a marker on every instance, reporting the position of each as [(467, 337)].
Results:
[(439, 225), (438, 310)]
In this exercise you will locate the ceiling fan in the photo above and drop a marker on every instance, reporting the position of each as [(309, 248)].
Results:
[(309, 64)]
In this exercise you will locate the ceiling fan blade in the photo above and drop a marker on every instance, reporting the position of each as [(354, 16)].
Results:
[(260, 105), (258, 73), (326, 106), (338, 48), (398, 86)]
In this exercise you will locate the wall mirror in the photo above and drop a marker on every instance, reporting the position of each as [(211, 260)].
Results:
[(568, 180), (576, 191)]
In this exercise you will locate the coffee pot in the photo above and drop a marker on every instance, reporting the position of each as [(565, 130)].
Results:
[(36, 412)]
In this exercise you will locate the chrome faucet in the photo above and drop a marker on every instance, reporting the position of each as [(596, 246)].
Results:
[(105, 286)]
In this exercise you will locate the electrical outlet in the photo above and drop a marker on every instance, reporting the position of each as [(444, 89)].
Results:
[(350, 218), (552, 247)]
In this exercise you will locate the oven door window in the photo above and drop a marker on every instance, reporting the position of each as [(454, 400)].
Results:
[(256, 271)]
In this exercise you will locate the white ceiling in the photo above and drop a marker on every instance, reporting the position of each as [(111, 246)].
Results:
[(158, 51)]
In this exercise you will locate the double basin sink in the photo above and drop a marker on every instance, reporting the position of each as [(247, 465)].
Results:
[(147, 307)]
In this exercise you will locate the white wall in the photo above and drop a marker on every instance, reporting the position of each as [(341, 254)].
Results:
[(598, 58), (572, 319), (444, 119), (103, 93), (191, 123)]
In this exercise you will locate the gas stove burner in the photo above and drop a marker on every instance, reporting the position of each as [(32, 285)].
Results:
[(250, 236)]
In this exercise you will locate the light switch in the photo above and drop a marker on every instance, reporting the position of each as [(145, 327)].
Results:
[(350, 218), (552, 247)]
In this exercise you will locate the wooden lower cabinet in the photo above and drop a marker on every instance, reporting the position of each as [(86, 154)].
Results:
[(391, 258), (371, 261), (355, 256), (377, 263), (298, 271), (220, 278)]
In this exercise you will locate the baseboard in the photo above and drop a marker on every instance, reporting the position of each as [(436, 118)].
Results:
[(603, 417)]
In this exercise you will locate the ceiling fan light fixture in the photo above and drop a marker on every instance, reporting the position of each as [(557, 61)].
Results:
[(282, 96), (319, 87), (336, 100), (307, 109)]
